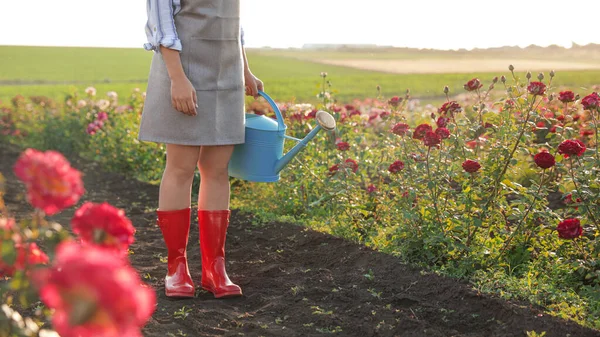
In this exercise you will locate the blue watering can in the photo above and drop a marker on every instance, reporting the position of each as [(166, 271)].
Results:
[(260, 158)]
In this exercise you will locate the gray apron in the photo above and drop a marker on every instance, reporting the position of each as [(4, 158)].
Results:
[(209, 31)]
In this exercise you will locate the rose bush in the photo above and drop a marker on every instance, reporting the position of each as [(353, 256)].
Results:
[(86, 282), (489, 198), (477, 201)]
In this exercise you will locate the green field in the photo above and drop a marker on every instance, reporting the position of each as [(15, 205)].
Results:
[(55, 71)]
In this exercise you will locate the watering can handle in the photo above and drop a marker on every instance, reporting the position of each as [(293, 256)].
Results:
[(280, 123)]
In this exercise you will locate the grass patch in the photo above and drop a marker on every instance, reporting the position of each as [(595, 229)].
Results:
[(54, 71)]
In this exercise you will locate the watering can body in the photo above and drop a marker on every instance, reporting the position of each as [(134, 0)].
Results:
[(260, 158)]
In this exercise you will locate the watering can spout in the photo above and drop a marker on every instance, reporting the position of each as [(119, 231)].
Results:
[(324, 120)]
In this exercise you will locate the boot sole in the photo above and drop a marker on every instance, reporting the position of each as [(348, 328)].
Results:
[(175, 294), (225, 294)]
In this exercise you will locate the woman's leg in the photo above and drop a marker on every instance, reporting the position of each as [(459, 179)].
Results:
[(213, 219), (173, 216), (176, 184), (214, 185)]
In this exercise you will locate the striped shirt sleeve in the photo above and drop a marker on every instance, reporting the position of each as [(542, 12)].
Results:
[(161, 25)]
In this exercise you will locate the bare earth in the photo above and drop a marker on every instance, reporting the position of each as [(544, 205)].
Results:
[(437, 66)]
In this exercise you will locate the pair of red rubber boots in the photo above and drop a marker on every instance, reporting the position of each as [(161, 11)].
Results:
[(175, 227)]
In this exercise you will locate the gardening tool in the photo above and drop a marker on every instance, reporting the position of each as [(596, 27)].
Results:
[(261, 158)]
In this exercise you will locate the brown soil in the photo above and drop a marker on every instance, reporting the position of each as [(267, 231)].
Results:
[(298, 282)]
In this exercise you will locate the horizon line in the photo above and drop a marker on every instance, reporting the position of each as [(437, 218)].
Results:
[(332, 46)]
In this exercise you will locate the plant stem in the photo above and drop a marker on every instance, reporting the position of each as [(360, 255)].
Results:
[(522, 221), (581, 195), (433, 191), (505, 168), (470, 203), (595, 133), (583, 253)]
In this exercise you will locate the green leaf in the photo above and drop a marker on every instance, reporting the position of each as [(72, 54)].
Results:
[(508, 183), (8, 252), (559, 158)]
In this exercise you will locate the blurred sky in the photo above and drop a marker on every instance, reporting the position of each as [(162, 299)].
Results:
[(448, 24)]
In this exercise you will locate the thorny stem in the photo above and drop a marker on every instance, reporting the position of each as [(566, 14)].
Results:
[(505, 246), (499, 178), (583, 252), (406, 152), (434, 192), (479, 107), (581, 195), (505, 168), (469, 238), (595, 133), (562, 132), (458, 137)]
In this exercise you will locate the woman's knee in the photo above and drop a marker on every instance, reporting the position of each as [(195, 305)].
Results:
[(213, 170), (181, 162), (180, 173), (214, 162)]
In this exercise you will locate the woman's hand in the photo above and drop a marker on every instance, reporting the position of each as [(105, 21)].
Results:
[(183, 93), (253, 84), (183, 96)]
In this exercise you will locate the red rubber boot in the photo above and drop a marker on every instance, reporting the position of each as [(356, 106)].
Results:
[(175, 227), (213, 230)]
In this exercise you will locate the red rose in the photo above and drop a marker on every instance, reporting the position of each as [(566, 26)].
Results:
[(421, 131), (343, 146), (91, 129), (541, 124), (442, 122), (351, 164), (52, 184), (334, 168), (471, 166), (549, 114), (28, 256), (471, 144), (103, 225), (576, 117), (569, 229), (400, 129), (442, 132), (566, 96), (560, 117), (536, 88), (571, 148), (544, 160), (417, 157), (93, 293), (585, 133), (450, 108), (509, 104), (396, 167), (102, 116), (395, 101), (311, 115), (569, 199), (473, 85), (432, 139), (591, 101), (371, 189)]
